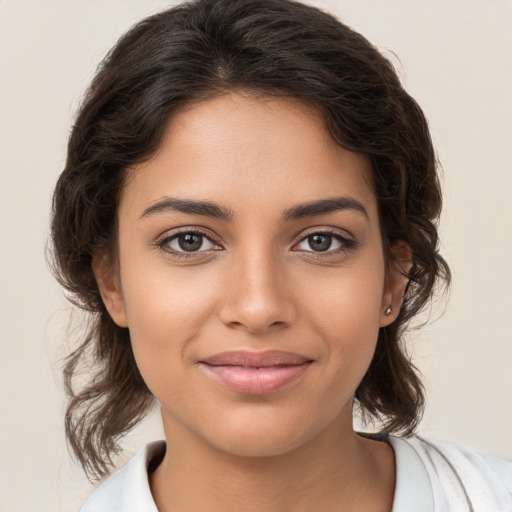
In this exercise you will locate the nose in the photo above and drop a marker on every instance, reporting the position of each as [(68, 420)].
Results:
[(258, 294)]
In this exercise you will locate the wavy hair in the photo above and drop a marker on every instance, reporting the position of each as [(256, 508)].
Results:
[(192, 52)]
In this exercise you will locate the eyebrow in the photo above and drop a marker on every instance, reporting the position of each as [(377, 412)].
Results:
[(206, 208), (300, 211), (324, 206)]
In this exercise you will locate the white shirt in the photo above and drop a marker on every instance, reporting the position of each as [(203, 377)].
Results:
[(430, 477)]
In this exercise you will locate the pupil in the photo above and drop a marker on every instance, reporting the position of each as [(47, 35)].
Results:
[(190, 242), (320, 242)]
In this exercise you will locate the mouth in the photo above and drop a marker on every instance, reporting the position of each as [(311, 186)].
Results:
[(256, 373)]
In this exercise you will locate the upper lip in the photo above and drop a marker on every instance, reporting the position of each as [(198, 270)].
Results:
[(255, 359)]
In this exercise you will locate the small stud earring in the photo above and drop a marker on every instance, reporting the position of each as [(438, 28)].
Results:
[(388, 311)]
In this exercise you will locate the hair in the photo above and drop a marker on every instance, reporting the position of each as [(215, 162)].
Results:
[(199, 50)]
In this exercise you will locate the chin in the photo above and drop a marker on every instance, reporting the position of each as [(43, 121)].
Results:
[(259, 435)]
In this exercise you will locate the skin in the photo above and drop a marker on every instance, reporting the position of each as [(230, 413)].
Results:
[(258, 285)]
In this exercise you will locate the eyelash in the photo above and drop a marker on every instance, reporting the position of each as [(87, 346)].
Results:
[(347, 243), (163, 243)]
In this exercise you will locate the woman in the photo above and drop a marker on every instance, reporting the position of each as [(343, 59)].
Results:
[(249, 211)]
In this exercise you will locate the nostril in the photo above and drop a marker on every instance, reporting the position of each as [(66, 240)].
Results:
[(255, 312), (253, 328)]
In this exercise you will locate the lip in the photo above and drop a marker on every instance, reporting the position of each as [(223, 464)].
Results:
[(255, 373)]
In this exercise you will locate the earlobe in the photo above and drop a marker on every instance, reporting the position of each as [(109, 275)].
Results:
[(109, 287), (396, 282)]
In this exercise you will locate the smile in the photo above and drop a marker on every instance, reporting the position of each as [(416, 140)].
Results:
[(255, 373)]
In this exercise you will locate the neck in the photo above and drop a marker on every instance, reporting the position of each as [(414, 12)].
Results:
[(338, 471)]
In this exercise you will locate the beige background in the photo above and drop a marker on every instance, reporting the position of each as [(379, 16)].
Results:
[(455, 58)]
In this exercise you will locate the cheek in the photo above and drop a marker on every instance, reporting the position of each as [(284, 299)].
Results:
[(166, 312), (347, 316), (348, 300)]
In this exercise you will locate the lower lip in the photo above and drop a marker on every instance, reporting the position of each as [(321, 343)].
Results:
[(256, 381)]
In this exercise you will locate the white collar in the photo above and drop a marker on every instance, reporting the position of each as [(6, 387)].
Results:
[(413, 488), (128, 489)]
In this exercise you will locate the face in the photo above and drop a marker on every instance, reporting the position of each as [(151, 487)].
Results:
[(251, 275)]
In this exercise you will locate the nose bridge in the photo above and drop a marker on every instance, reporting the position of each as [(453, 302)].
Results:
[(258, 292)]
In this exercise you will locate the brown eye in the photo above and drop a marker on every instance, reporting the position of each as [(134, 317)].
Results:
[(189, 241), (319, 242), (325, 242)]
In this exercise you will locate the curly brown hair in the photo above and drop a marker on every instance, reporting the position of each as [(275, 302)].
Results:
[(192, 52)]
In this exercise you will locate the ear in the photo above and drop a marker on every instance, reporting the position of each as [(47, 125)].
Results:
[(109, 287), (396, 282)]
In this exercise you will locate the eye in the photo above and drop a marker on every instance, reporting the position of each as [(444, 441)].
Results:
[(326, 242), (187, 242)]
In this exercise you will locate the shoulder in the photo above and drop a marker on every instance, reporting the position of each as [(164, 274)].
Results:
[(456, 477), (127, 489)]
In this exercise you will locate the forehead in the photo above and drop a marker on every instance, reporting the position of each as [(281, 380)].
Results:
[(244, 150)]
